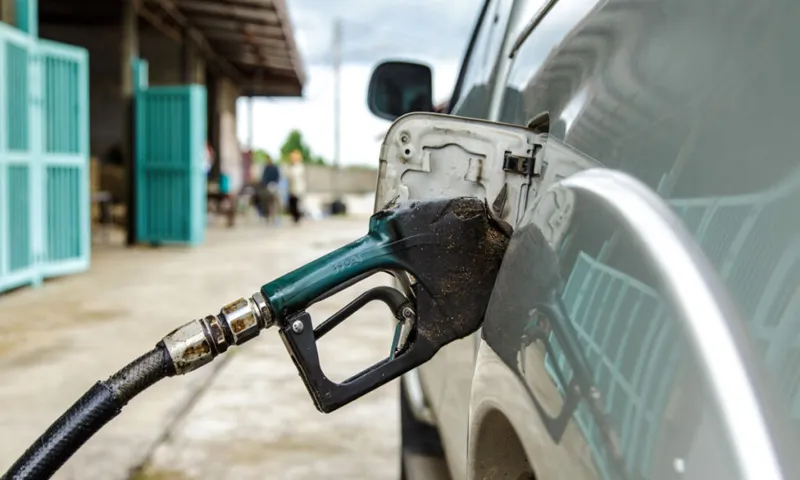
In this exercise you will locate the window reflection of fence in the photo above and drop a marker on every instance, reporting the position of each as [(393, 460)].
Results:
[(754, 243), (632, 344)]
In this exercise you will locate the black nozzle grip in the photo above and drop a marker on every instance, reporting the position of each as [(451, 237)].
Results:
[(388, 295), (453, 248), (328, 395)]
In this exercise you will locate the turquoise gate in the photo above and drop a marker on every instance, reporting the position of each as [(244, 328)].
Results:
[(44, 158), (170, 148)]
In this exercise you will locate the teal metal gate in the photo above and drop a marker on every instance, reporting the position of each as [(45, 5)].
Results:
[(170, 145), (44, 158)]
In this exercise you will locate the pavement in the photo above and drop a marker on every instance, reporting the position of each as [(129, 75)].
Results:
[(248, 416)]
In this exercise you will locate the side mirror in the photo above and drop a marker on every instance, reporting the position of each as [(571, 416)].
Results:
[(397, 88)]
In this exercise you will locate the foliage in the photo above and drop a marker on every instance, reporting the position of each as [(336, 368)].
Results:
[(260, 156), (294, 141)]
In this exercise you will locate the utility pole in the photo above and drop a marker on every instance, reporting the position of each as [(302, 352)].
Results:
[(337, 206), (337, 60)]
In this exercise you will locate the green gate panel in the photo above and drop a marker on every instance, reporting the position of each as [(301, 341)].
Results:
[(64, 195), (17, 97), (64, 158), (170, 182), (61, 103), (44, 159), (18, 191), (19, 218)]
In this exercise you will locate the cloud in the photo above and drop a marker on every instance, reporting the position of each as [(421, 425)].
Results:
[(375, 29), (432, 31)]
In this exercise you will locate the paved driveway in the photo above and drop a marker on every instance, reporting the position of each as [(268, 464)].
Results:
[(250, 417)]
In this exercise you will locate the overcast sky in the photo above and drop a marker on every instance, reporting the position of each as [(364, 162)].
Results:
[(433, 31)]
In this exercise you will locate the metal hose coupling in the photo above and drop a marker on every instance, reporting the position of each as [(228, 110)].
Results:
[(197, 343)]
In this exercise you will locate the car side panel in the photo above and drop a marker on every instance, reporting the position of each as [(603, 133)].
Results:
[(697, 100)]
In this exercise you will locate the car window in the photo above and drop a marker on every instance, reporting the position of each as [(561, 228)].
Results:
[(475, 91), (552, 29)]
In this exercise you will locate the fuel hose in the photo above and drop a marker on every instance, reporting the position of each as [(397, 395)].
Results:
[(90, 413), (181, 351)]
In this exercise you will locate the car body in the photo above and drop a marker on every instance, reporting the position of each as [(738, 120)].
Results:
[(697, 100)]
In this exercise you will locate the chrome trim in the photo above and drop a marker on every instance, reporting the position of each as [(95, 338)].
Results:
[(531, 26), (707, 314), (416, 398)]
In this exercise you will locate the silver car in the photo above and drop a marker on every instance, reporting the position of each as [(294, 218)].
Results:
[(646, 320)]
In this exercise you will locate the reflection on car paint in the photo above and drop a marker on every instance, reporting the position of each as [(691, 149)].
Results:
[(608, 308)]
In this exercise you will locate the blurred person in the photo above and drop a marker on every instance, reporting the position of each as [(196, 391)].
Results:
[(268, 191), (227, 197), (297, 184)]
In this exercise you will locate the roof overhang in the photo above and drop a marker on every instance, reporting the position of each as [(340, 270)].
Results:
[(256, 37), (251, 41)]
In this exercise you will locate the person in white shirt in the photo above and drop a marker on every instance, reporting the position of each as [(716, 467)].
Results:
[(297, 184)]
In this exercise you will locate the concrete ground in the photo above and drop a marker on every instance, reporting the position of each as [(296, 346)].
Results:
[(247, 417)]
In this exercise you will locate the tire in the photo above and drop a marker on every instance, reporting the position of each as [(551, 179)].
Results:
[(418, 439)]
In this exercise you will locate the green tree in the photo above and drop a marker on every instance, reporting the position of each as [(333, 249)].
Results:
[(260, 156), (294, 141)]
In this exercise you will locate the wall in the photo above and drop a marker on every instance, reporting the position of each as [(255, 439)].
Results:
[(163, 56), (321, 179)]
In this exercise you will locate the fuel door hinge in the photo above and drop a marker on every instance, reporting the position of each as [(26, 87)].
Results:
[(530, 166)]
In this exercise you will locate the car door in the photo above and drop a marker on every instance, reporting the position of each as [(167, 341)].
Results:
[(697, 101)]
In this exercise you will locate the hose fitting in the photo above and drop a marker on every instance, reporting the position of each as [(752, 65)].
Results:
[(196, 343)]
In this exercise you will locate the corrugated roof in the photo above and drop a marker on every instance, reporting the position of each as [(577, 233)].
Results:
[(249, 40), (256, 37)]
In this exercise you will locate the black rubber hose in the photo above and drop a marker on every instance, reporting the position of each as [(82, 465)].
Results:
[(89, 414)]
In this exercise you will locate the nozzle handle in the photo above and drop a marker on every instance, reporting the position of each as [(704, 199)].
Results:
[(375, 251)]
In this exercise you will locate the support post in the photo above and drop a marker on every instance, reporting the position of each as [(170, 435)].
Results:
[(250, 120), (129, 53)]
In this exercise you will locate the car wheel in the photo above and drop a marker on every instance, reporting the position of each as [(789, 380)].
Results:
[(421, 454)]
